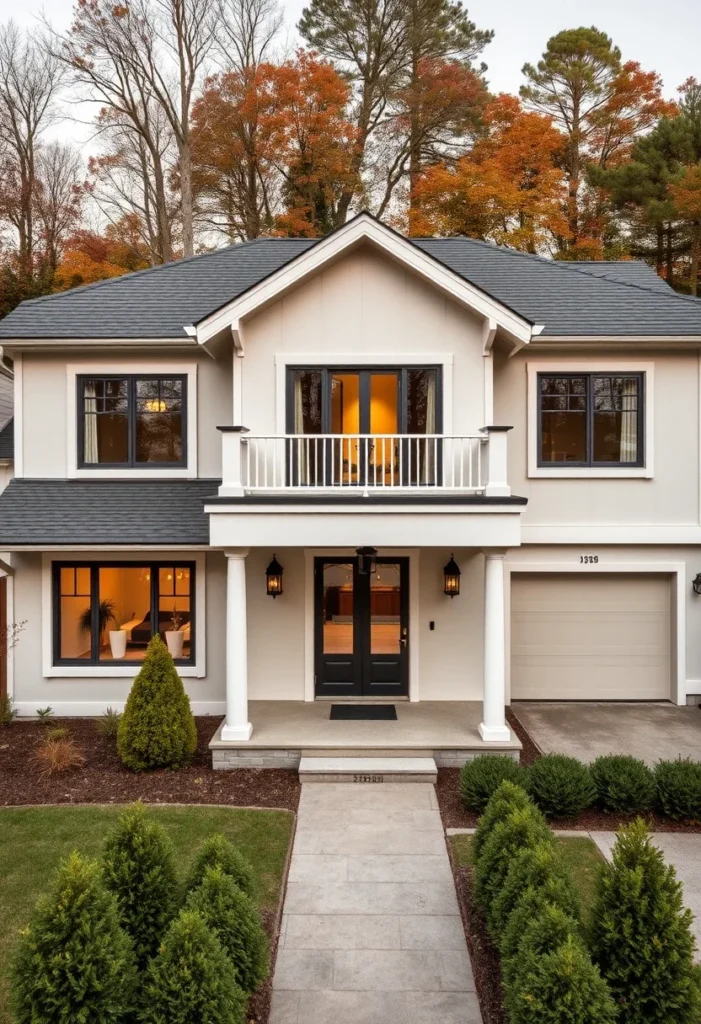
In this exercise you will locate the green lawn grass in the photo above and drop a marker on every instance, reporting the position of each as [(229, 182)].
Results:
[(34, 839)]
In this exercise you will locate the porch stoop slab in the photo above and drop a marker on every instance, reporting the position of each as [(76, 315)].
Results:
[(371, 770)]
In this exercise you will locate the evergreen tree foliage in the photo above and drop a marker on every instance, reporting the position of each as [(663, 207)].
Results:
[(74, 964), (521, 829), (531, 867), (220, 852), (139, 869), (554, 892), (191, 980), (157, 729), (235, 921), (507, 797), (642, 937)]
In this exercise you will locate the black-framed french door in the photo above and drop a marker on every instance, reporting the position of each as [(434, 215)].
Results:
[(361, 628)]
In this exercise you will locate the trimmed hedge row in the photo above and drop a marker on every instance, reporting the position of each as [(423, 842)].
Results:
[(563, 787)]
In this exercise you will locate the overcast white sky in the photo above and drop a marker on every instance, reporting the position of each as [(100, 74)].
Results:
[(663, 38)]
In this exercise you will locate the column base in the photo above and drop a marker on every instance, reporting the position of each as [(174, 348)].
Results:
[(495, 733), (236, 733)]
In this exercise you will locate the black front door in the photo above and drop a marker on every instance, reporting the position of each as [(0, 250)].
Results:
[(361, 627)]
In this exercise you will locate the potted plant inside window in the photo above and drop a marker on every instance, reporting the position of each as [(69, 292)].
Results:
[(105, 615), (118, 640), (175, 635)]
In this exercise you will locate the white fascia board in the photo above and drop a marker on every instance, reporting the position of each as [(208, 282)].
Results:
[(621, 535), (356, 231), (51, 344), (610, 339)]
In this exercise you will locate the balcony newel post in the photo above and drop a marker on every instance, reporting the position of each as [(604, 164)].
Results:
[(231, 461), (497, 484)]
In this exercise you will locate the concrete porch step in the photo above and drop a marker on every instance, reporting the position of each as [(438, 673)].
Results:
[(367, 769)]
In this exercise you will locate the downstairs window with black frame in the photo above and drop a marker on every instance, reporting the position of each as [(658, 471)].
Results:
[(107, 612)]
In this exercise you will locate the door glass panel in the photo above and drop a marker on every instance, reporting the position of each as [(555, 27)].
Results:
[(337, 608), (421, 455), (384, 421), (305, 457), (345, 419), (385, 609)]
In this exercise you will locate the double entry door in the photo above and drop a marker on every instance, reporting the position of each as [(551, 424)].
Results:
[(361, 626)]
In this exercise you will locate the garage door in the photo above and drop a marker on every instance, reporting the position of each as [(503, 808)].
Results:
[(603, 637)]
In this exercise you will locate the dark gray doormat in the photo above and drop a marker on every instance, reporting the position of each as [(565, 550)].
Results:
[(364, 712)]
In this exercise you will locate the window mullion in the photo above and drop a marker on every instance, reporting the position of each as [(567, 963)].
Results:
[(94, 614), (589, 378)]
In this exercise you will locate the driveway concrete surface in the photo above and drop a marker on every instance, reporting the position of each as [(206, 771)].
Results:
[(653, 732), (371, 929)]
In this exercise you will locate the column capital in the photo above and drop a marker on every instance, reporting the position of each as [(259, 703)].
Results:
[(237, 553), (494, 555)]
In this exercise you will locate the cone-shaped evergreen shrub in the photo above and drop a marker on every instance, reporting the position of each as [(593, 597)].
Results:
[(157, 729), (642, 936), (555, 892), (623, 783), (74, 962), (481, 777), (235, 921), (531, 867), (507, 797), (560, 785), (523, 828), (549, 928), (191, 980), (219, 852), (139, 869)]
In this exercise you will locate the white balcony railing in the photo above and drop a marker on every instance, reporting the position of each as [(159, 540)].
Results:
[(364, 463)]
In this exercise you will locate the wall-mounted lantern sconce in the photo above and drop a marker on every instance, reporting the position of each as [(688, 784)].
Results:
[(696, 583), (367, 560), (451, 578), (273, 578)]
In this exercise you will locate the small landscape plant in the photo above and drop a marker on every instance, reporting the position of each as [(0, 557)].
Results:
[(57, 755), (45, 714), (108, 723), (139, 870), (623, 783), (74, 963), (481, 777), (235, 921), (219, 852), (157, 729), (57, 732), (641, 935), (7, 712), (508, 797), (561, 786), (554, 892), (191, 979), (532, 868), (678, 788)]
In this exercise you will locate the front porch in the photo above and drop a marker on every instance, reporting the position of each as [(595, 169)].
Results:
[(284, 730)]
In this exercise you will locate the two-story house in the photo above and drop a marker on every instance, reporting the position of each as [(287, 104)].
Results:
[(363, 468)]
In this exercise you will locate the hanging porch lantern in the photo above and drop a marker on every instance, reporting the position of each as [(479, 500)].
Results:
[(451, 578), (273, 578), (696, 583), (367, 560)]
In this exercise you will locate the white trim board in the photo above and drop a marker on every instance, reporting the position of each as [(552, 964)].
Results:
[(624, 535), (95, 708)]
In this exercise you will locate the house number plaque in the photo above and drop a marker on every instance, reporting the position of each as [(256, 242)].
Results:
[(368, 778), (588, 559)]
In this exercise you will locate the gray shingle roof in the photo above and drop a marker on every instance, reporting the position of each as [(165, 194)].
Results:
[(587, 299), (7, 440), (129, 512)]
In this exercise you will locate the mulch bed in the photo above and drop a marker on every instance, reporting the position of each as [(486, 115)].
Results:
[(486, 966), (104, 780)]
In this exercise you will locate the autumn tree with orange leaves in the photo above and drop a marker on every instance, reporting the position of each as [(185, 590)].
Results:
[(91, 257)]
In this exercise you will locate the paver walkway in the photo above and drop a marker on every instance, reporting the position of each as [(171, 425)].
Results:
[(371, 929)]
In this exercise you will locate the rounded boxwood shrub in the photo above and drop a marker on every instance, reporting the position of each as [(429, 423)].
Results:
[(157, 729), (678, 786), (531, 867), (220, 852), (521, 829), (74, 962), (641, 935), (191, 978), (139, 869), (561, 786), (554, 892), (235, 921), (508, 797), (481, 777), (623, 783)]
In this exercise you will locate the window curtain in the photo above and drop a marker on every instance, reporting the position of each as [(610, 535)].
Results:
[(428, 468), (90, 452), (299, 460), (629, 421)]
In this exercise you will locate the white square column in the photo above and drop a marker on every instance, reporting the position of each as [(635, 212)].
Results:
[(494, 728), (236, 727)]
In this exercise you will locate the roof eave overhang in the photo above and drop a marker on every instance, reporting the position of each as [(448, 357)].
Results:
[(624, 339), (11, 345), (365, 229)]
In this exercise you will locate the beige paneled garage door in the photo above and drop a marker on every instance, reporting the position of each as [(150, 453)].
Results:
[(581, 637)]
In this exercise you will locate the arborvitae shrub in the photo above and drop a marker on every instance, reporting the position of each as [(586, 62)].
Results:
[(642, 937), (191, 980), (547, 929), (555, 892), (234, 919), (678, 785), (523, 828), (531, 867), (507, 797), (219, 852), (74, 963), (561, 786), (481, 777), (157, 729), (139, 868), (623, 783)]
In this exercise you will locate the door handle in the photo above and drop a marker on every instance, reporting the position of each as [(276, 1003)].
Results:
[(404, 639)]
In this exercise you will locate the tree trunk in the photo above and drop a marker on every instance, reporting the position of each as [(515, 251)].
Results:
[(162, 220), (670, 258), (660, 250), (185, 161), (695, 252)]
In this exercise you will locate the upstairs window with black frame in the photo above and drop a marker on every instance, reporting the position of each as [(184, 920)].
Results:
[(132, 422), (591, 419)]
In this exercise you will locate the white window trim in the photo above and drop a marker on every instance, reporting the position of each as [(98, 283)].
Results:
[(73, 370), (51, 671), (283, 360), (593, 365)]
